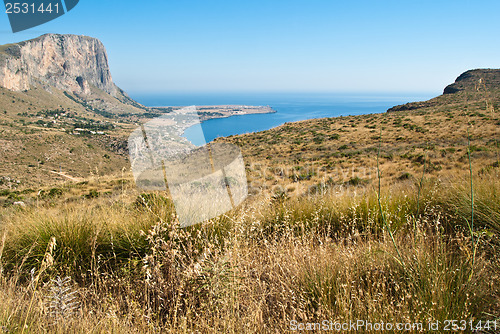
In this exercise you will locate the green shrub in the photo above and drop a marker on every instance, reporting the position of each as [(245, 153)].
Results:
[(92, 194)]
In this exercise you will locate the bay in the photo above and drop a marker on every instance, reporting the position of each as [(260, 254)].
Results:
[(289, 107)]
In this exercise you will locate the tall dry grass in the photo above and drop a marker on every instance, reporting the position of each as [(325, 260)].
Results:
[(278, 259)]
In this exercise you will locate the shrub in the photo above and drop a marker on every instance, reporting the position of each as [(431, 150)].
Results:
[(93, 193)]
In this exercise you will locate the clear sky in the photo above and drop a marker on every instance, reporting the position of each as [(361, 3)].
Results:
[(275, 45)]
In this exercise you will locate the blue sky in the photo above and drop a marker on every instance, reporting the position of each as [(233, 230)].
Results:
[(274, 45)]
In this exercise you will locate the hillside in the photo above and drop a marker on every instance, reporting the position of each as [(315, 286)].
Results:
[(314, 154)]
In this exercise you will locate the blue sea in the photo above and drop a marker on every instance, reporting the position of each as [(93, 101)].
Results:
[(289, 107)]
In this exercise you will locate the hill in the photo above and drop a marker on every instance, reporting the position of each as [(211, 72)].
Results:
[(474, 86), (314, 154)]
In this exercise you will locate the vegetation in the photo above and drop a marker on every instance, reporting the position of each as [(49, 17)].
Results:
[(387, 218), (320, 256), (89, 107)]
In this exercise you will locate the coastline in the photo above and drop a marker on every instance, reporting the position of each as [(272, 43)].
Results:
[(291, 109), (209, 112)]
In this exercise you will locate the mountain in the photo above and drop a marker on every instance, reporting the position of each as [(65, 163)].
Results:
[(473, 86), (76, 65), (67, 62), (61, 115)]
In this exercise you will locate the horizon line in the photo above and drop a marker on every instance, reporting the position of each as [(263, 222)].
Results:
[(326, 92)]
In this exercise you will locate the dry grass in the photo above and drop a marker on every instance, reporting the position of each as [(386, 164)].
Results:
[(278, 259)]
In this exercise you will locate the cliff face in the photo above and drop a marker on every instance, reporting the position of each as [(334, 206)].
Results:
[(67, 62)]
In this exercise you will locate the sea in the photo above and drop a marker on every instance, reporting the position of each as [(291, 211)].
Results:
[(289, 107)]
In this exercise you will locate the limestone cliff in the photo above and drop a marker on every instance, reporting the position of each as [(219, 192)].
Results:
[(67, 62)]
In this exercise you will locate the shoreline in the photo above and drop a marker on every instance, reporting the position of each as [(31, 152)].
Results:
[(210, 112), (207, 112)]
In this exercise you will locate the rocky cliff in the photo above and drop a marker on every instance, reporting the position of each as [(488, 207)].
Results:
[(61, 111), (67, 62)]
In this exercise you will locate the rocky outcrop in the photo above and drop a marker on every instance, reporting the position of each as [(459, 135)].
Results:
[(414, 105), (473, 85), (475, 81), (67, 62)]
